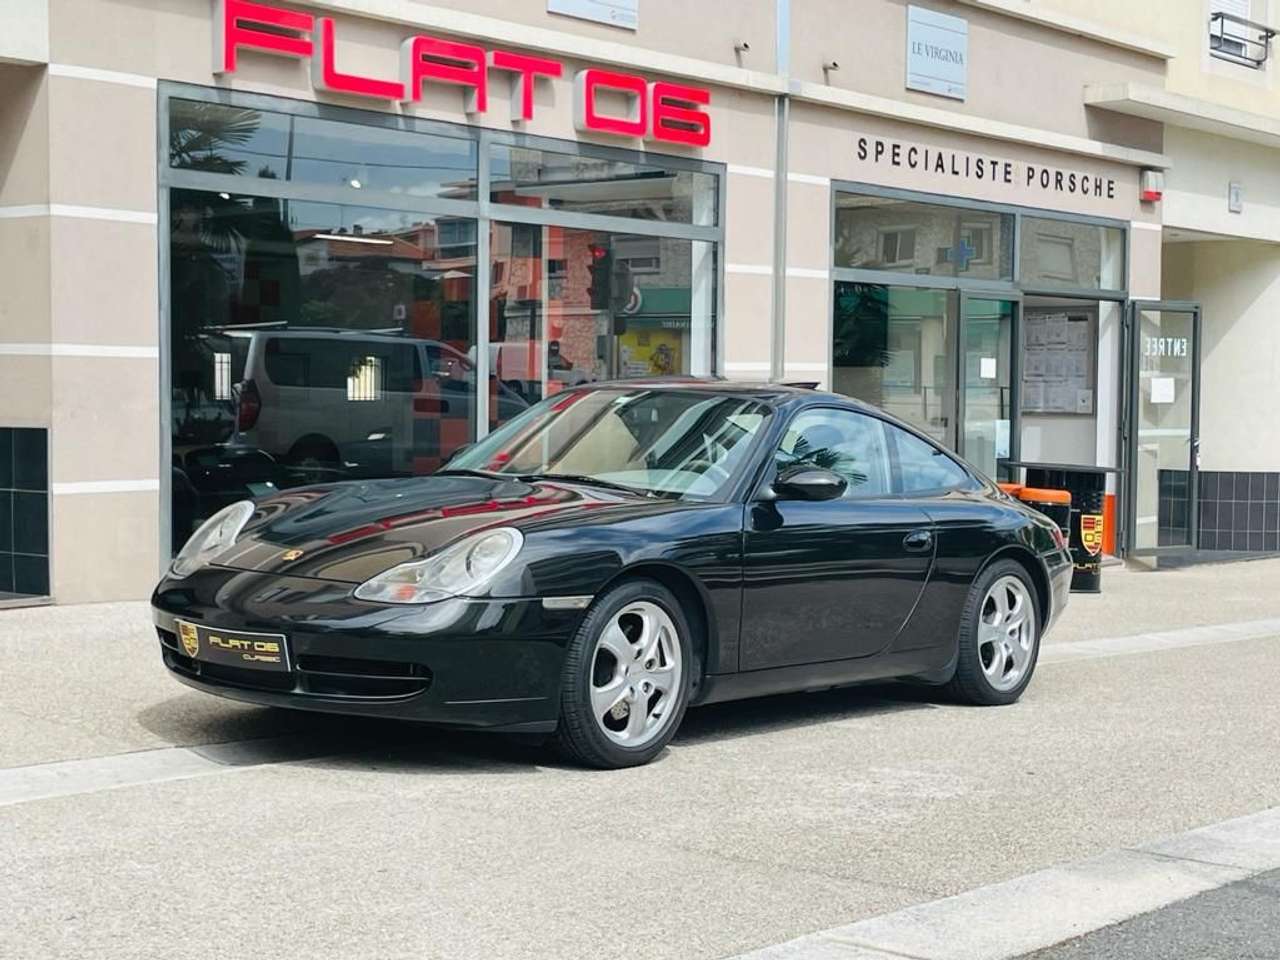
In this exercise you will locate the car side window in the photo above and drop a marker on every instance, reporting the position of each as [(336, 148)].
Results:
[(923, 467), (843, 441)]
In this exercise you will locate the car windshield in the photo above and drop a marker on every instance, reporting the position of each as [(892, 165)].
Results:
[(684, 444)]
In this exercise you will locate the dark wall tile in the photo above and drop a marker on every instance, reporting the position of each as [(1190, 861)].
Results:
[(1209, 484), (1257, 486), (1271, 541), (31, 575), (30, 459), (1255, 542), (1255, 516), (6, 572), (1272, 486), (6, 458), (1271, 517), (31, 523), (1239, 540), (6, 521), (1226, 486), (1208, 515), (1242, 485), (1239, 516)]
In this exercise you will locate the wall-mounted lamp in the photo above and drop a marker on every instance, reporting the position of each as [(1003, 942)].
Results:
[(741, 46), (827, 67)]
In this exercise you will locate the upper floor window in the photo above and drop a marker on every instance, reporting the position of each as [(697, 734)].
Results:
[(905, 236), (1236, 36)]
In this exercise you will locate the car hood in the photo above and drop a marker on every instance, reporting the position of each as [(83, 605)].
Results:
[(349, 532)]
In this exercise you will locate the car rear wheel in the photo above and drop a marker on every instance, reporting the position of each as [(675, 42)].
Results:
[(626, 677), (999, 636)]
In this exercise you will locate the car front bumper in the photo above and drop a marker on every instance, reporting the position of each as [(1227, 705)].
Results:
[(1059, 567), (492, 664)]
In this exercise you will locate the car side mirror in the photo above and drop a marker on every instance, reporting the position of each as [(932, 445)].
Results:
[(809, 483)]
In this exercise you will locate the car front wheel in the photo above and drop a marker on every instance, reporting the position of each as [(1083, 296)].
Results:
[(999, 636), (626, 677)]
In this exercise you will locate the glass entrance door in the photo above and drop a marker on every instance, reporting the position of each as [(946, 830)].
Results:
[(986, 382), (1163, 426)]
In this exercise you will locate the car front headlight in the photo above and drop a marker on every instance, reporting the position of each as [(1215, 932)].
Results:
[(459, 570), (215, 535)]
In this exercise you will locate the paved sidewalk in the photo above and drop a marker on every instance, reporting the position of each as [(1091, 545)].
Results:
[(133, 803)]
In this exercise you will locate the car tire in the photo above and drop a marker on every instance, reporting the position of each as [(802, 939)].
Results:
[(633, 649), (999, 637)]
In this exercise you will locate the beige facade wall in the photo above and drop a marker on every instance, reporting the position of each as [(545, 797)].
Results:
[(1237, 284), (24, 31), (79, 324), (1206, 166), (1181, 26), (1008, 81), (78, 147)]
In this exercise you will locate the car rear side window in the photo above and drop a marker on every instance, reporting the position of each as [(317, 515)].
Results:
[(364, 369), (922, 467), (848, 443)]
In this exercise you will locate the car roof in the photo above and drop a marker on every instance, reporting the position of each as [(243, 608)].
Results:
[(775, 393)]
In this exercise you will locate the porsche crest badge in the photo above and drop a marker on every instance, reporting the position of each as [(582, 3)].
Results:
[(190, 638), (290, 555), (1091, 533)]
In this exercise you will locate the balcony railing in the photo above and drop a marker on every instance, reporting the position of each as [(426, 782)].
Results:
[(1239, 40)]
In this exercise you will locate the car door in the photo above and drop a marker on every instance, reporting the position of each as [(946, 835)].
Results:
[(833, 579)]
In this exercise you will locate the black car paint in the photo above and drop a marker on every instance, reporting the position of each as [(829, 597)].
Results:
[(784, 603)]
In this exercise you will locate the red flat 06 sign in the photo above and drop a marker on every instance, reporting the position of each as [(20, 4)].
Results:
[(637, 107)]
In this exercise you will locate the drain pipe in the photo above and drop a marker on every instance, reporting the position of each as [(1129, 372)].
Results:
[(782, 126)]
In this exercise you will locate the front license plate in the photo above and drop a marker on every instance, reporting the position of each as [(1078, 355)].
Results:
[(234, 648)]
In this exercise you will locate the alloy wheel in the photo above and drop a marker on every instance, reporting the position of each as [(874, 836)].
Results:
[(1006, 633), (636, 673)]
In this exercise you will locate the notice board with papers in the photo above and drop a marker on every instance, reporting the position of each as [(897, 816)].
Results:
[(1059, 362)]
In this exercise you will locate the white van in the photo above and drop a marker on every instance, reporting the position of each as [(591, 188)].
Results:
[(356, 402)]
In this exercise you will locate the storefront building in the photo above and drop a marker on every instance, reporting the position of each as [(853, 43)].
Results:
[(247, 246)]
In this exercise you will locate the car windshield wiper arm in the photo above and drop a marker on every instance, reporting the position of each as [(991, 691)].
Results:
[(589, 481), (446, 472)]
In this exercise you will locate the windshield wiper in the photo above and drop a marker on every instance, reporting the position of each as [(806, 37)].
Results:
[(588, 480), (468, 473)]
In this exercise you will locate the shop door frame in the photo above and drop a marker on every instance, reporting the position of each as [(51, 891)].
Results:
[(1130, 393), (1015, 298)]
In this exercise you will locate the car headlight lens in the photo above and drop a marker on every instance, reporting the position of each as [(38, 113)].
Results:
[(457, 571), (215, 535)]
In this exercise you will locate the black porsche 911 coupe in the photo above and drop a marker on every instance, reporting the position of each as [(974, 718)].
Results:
[(615, 554)]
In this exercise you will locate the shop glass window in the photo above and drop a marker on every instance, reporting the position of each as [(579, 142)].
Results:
[(878, 233), (312, 342), (849, 444), (1064, 254), (250, 143), (890, 349), (567, 308), (533, 177)]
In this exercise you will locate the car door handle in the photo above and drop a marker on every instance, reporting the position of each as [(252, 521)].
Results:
[(917, 541)]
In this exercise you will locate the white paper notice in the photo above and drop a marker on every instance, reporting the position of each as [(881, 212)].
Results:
[(987, 368), (1162, 390), (1084, 401)]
